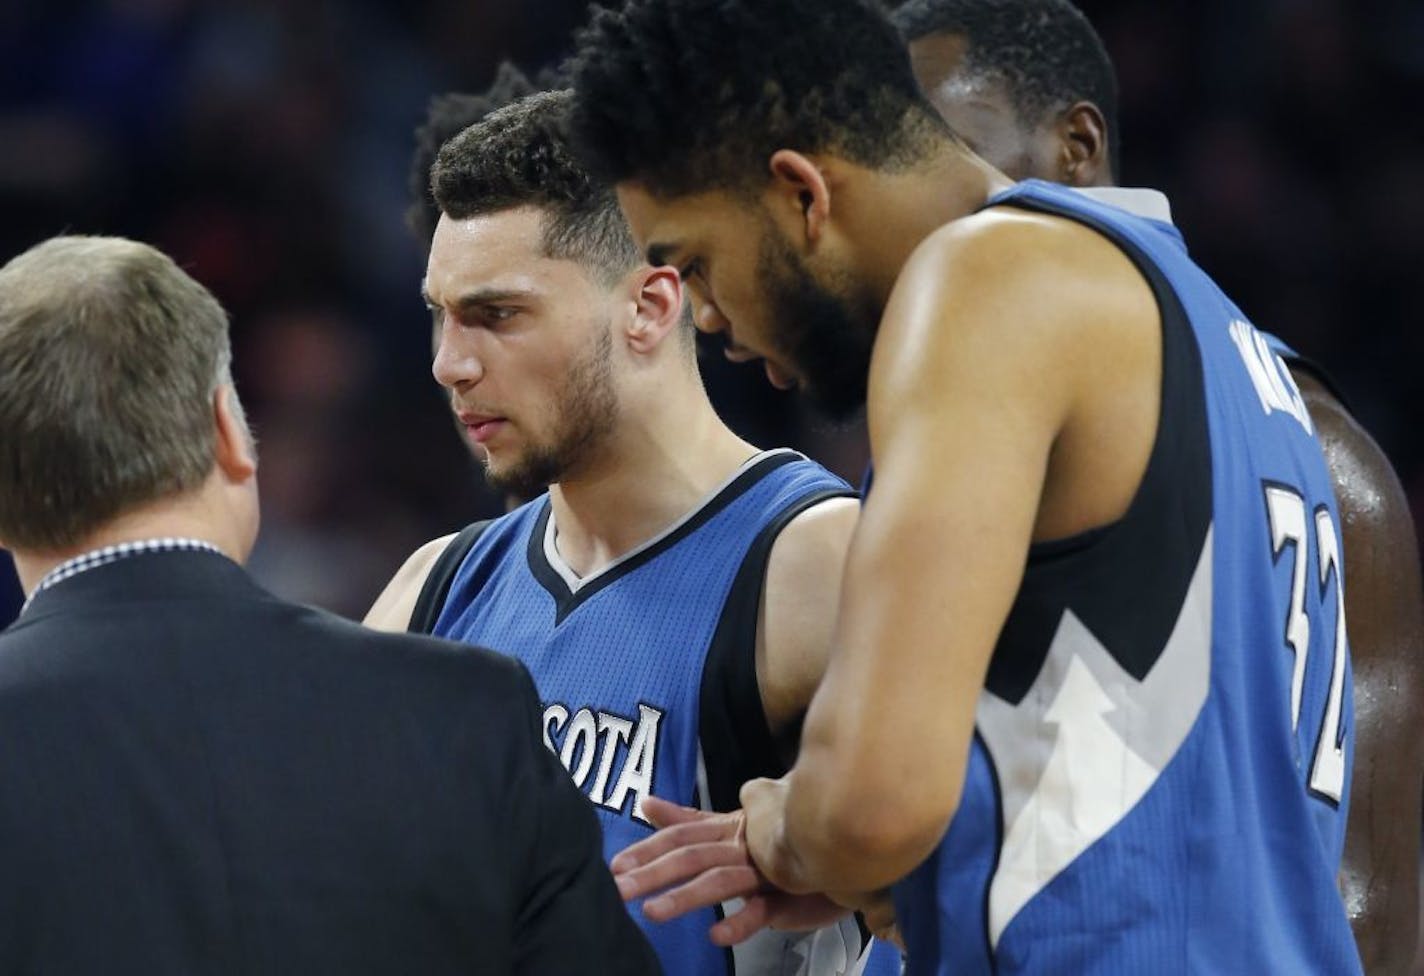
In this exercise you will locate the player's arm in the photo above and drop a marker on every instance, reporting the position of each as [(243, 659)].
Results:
[(392, 609), (971, 384), (797, 617), (796, 626), (1384, 618)]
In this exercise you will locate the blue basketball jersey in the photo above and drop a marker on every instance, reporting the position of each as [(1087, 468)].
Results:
[(647, 673), (1160, 772)]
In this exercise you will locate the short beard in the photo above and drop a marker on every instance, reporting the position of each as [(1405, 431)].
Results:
[(584, 412), (826, 336)]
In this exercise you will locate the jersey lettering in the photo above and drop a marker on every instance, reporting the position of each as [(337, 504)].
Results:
[(1273, 383), (586, 740), (1285, 511)]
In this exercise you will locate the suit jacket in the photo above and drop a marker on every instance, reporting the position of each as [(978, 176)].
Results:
[(10, 595), (198, 778)]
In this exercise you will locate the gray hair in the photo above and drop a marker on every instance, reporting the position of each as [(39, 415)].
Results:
[(109, 359)]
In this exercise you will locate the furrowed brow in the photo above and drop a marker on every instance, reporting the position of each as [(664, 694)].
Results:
[(489, 296), (477, 298)]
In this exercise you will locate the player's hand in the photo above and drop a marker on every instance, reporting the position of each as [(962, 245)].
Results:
[(764, 806), (695, 859), (701, 859)]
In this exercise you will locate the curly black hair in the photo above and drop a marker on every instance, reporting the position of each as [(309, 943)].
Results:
[(446, 116), (1044, 52), (684, 95), (520, 156)]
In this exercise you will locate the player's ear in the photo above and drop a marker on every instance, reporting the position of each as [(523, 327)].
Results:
[(1083, 136), (799, 190), (657, 307), (234, 449)]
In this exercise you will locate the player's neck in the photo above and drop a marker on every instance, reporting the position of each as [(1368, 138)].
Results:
[(900, 209), (664, 460)]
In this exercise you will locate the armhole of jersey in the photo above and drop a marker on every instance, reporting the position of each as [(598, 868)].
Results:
[(1140, 545), (437, 585), (1295, 361), (732, 718)]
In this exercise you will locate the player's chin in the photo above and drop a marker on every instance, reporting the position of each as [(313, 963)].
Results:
[(500, 470)]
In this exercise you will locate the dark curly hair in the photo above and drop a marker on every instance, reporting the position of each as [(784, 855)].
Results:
[(446, 116), (1044, 52), (520, 156), (684, 95)]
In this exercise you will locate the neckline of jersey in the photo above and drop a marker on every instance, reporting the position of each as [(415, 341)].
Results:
[(576, 582)]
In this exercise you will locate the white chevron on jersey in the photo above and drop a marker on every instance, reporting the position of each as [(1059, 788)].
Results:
[(1086, 743)]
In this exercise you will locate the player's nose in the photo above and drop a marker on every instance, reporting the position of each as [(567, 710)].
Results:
[(456, 364), (709, 318)]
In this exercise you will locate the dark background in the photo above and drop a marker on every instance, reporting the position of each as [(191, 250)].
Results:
[(264, 143)]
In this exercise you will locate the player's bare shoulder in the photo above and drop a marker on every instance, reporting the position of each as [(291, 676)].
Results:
[(1366, 486), (1005, 275), (392, 609), (1040, 332)]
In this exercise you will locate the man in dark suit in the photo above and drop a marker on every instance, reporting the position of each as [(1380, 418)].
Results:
[(196, 777)]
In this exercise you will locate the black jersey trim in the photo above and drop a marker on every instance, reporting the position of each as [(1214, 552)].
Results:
[(436, 589), (1158, 538), (731, 715), (1304, 364), (567, 600), (1001, 830)]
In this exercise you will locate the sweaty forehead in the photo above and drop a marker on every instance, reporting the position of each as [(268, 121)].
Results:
[(976, 105), (499, 251), (936, 57), (940, 64), (513, 232)]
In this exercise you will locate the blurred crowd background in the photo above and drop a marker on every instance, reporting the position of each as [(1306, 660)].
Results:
[(264, 144)]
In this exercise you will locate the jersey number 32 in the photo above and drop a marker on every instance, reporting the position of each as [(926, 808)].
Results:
[(1290, 528)]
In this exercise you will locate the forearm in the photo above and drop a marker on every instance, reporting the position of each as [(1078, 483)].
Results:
[(838, 824), (887, 737)]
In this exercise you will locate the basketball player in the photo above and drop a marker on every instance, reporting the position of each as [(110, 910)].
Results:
[(674, 589), (1061, 713), (1030, 87)]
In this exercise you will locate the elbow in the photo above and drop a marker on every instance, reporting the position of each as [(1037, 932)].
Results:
[(865, 840)]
